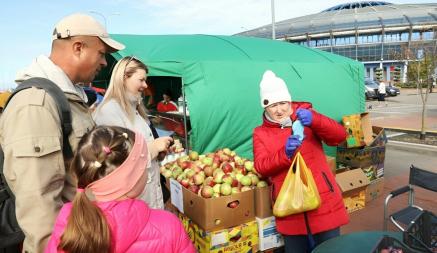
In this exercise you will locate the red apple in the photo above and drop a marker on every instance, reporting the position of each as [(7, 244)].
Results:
[(234, 183), (185, 183), (185, 165), (209, 181), (194, 188), (181, 159), (207, 191), (227, 167), (233, 204)]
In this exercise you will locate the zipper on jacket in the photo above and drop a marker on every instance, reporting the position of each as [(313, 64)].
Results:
[(331, 188)]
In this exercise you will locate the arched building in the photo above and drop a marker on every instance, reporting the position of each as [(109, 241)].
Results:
[(379, 34)]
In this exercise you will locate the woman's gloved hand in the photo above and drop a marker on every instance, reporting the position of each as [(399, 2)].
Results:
[(291, 145), (305, 116)]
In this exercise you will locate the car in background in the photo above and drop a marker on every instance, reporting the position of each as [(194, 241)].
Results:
[(371, 89), (391, 90)]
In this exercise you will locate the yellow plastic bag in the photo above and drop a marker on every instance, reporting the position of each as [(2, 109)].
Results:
[(298, 192)]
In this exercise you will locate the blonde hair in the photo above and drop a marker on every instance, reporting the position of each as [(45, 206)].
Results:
[(87, 229), (124, 69)]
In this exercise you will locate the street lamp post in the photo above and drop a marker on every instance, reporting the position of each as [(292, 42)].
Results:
[(273, 20)]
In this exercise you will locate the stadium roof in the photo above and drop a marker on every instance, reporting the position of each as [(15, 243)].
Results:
[(364, 15)]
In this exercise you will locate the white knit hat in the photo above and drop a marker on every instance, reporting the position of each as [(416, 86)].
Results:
[(273, 89)]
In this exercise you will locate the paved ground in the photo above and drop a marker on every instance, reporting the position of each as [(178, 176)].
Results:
[(401, 112), (404, 111), (397, 163)]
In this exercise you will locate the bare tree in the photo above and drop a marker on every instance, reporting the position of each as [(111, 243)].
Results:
[(423, 59)]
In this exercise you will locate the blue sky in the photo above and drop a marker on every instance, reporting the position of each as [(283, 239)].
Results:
[(26, 25)]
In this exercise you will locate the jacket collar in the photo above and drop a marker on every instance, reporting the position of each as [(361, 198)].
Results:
[(294, 106), (42, 66)]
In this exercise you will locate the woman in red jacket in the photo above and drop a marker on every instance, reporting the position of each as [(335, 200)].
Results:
[(275, 145)]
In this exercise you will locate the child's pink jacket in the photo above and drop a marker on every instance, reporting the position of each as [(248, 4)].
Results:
[(134, 228)]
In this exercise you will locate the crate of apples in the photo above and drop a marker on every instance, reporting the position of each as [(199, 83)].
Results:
[(212, 175)]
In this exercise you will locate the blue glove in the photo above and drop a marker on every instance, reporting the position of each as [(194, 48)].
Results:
[(305, 116), (291, 145)]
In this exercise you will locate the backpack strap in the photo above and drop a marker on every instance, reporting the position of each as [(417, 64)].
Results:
[(61, 102)]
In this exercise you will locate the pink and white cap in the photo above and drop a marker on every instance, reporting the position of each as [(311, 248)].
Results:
[(123, 179)]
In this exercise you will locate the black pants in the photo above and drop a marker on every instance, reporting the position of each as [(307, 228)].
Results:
[(381, 97), (299, 243)]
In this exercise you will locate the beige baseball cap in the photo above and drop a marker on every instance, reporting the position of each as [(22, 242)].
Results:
[(84, 25)]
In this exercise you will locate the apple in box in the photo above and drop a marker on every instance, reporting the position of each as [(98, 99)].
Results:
[(207, 161), (246, 180), (193, 155), (248, 165), (194, 188), (199, 178), (208, 170), (207, 191), (225, 189), (209, 181), (227, 167)]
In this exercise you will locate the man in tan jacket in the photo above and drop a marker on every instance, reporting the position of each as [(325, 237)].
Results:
[(30, 128)]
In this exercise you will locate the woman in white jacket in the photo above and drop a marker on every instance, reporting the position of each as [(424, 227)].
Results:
[(122, 106)]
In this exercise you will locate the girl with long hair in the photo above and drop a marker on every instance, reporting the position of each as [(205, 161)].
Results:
[(110, 164)]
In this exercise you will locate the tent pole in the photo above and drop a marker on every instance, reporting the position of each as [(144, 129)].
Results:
[(185, 120)]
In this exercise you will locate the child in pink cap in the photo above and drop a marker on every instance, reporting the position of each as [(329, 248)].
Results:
[(110, 165)]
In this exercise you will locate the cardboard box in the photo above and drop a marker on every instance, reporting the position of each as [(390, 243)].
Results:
[(375, 189), (374, 171), (359, 129), (365, 156), (353, 184), (332, 163), (263, 202), (213, 213), (269, 238), (187, 224), (242, 238)]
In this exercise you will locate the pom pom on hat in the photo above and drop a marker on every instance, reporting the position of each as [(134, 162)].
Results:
[(273, 89)]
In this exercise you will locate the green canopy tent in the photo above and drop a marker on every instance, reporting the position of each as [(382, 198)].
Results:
[(221, 74)]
